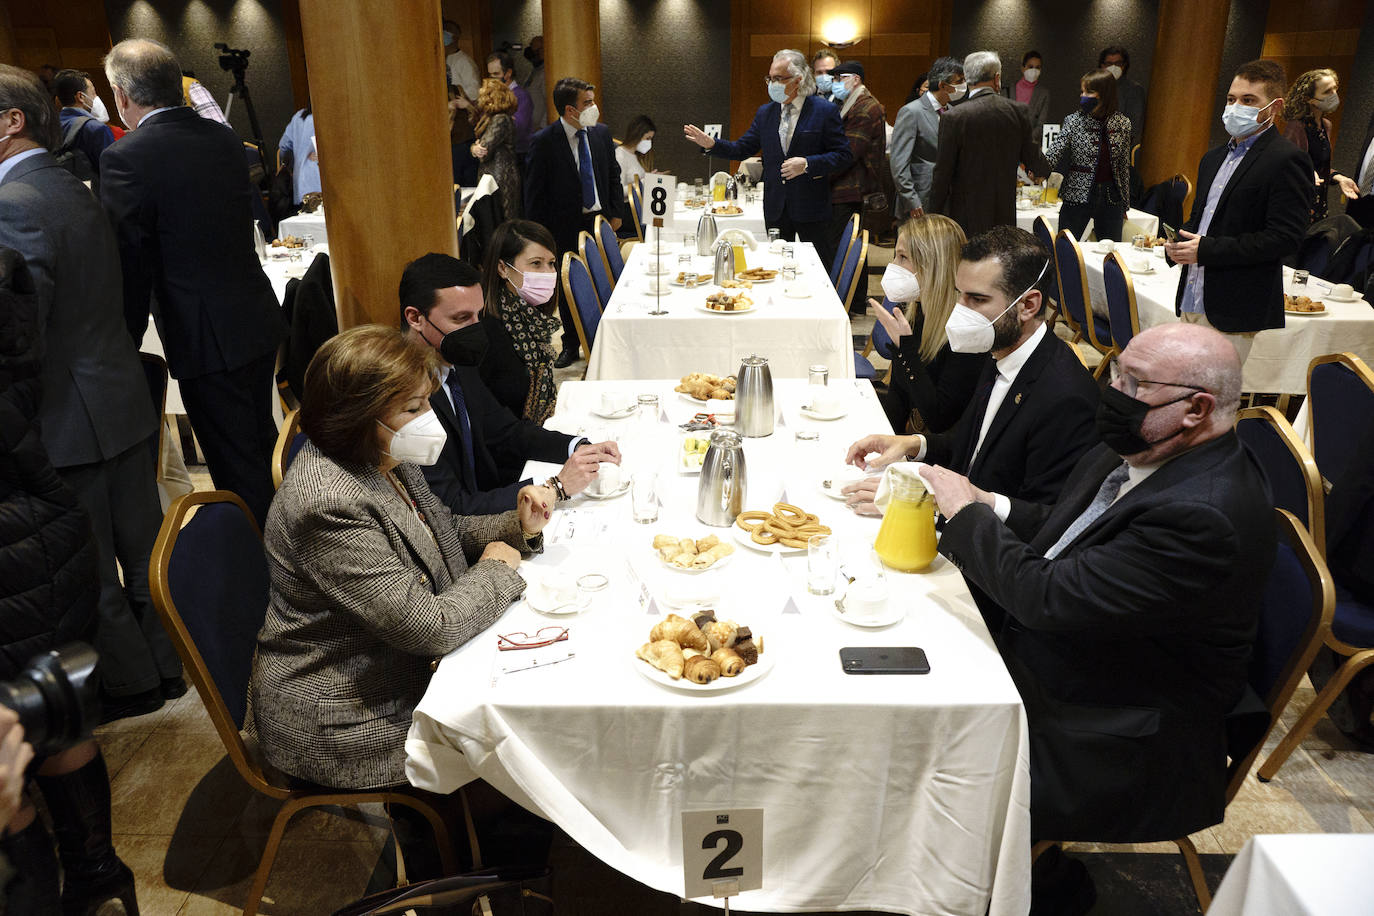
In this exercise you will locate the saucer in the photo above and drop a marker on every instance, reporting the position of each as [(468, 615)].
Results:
[(618, 491), (541, 601), (616, 414), (797, 292), (1332, 297), (816, 415), (892, 615)]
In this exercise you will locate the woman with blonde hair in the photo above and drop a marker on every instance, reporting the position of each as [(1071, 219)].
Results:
[(494, 148), (931, 385), (1312, 97)]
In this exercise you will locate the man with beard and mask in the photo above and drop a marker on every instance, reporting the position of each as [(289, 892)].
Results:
[(822, 63), (1131, 604), (1031, 415), (478, 471), (1250, 212)]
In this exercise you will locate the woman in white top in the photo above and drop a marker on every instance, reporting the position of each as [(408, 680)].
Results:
[(635, 153)]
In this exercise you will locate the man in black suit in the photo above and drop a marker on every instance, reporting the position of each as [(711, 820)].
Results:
[(1358, 184), (177, 191), (1132, 602), (1252, 207), (1031, 416), (478, 471), (571, 177), (95, 417)]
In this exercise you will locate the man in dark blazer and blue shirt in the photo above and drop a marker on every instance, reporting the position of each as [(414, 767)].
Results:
[(1132, 603), (1253, 205), (570, 179), (177, 191), (802, 141), (478, 471)]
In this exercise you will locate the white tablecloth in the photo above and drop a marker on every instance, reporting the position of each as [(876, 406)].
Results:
[(1278, 361), (303, 224), (684, 219), (1137, 222), (904, 794), (793, 333), (1298, 875)]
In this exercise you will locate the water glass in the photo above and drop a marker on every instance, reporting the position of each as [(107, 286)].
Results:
[(308, 240), (822, 564), (644, 497), (789, 272), (689, 241), (1300, 277), (818, 375), (774, 235), (1138, 241), (647, 413), (789, 254)]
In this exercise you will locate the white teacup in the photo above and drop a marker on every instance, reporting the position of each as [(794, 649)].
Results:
[(1024, 204), (607, 480), (825, 400), (1106, 245), (1343, 291), (1138, 262), (558, 587), (1159, 252), (616, 401), (866, 600)]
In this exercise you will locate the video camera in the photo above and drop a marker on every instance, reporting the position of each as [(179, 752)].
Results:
[(55, 697), (232, 60)]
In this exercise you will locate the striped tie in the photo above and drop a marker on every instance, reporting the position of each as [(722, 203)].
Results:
[(1104, 498)]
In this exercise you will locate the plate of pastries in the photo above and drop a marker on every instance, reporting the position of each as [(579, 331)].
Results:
[(785, 529), (733, 303), (727, 210), (1302, 305), (692, 555), (702, 654), (701, 387), (289, 241), (756, 275)]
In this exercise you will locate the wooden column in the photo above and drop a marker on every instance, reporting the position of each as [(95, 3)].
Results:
[(1183, 79), (381, 125), (572, 45)]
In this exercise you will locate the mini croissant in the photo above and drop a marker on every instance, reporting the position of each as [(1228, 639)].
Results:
[(702, 670), (730, 662), (681, 631), (665, 655)]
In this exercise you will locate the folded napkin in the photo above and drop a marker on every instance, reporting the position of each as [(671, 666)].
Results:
[(720, 407), (906, 470)]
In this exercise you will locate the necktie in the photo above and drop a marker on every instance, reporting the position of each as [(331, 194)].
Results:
[(943, 109), (584, 169), (460, 407), (785, 127), (1105, 495)]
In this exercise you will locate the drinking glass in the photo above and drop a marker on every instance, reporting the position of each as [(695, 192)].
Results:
[(818, 375), (644, 497), (774, 235), (822, 564), (647, 414)]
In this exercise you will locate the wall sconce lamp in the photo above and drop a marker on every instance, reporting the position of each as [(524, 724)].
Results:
[(841, 32)]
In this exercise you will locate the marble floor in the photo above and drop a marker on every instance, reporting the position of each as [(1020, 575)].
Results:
[(192, 831)]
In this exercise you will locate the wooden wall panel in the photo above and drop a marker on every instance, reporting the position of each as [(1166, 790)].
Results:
[(1315, 34), (74, 33)]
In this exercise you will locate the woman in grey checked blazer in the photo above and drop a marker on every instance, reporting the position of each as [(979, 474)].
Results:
[(372, 578)]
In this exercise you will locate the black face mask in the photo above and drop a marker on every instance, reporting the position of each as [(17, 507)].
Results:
[(1120, 416), (465, 346)]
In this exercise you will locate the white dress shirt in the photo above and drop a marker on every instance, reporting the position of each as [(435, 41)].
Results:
[(576, 146), (153, 112)]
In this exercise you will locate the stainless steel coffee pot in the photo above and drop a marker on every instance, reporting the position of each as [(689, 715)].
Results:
[(706, 233), (721, 489), (754, 414)]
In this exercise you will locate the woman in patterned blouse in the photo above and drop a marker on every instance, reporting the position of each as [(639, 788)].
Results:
[(1093, 154), (519, 282)]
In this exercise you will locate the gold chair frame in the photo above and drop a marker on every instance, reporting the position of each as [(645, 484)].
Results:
[(1312, 478), (862, 242), (1130, 296), (294, 800), (1059, 309), (1088, 324), (281, 451), (568, 258), (583, 238), (636, 198), (154, 359), (601, 245), (1355, 365)]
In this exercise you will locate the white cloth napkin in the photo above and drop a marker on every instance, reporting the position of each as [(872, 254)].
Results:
[(906, 470), (720, 407)]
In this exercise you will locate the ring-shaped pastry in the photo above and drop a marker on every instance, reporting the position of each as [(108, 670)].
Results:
[(780, 529), (763, 536), (789, 513), (757, 516)]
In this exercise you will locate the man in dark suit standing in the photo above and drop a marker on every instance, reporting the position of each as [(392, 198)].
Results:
[(1251, 209), (1031, 416), (803, 143), (981, 143), (571, 178), (1132, 603), (1358, 184), (479, 469), (96, 416), (177, 191)]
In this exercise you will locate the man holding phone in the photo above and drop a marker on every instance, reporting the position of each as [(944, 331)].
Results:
[(1251, 209)]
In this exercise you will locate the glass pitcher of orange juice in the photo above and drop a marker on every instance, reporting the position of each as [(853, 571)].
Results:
[(906, 540)]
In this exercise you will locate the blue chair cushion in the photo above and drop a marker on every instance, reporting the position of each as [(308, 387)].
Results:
[(592, 255), (1285, 609), (1286, 481), (882, 343), (1353, 620), (612, 246), (584, 299), (1341, 407), (863, 368)]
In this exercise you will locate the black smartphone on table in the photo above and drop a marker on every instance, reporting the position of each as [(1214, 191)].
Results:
[(884, 660)]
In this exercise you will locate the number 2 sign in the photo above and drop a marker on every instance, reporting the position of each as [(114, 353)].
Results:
[(660, 193), (722, 852)]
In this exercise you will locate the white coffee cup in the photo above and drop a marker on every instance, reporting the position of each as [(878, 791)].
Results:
[(615, 401), (866, 600), (1343, 291), (1139, 262), (1106, 245), (607, 478), (825, 400), (1159, 252), (559, 587)]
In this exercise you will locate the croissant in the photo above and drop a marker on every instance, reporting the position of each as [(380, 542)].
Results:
[(706, 543), (664, 540), (681, 631), (702, 670), (720, 394), (665, 655), (710, 557), (720, 633), (730, 662)]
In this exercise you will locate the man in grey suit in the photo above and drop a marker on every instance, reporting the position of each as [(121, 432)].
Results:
[(911, 151), (96, 417), (981, 143)]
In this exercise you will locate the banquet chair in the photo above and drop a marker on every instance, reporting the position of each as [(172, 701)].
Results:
[(210, 587), (155, 372), (1073, 293), (1123, 319), (590, 249), (1340, 394), (848, 236), (610, 247), (1041, 228), (852, 270), (289, 442), (1293, 477), (579, 291), (1294, 612), (637, 212), (878, 339)]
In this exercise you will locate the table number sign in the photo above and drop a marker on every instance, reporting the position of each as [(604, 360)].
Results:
[(1048, 134), (711, 130), (722, 852), (660, 193)]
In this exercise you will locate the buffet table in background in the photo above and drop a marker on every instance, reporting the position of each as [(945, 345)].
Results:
[(794, 333), (902, 794)]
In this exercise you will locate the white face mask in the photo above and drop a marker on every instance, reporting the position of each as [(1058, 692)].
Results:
[(969, 332), (1115, 71), (958, 92), (419, 441), (98, 111), (900, 284), (644, 146), (589, 116), (1032, 74)]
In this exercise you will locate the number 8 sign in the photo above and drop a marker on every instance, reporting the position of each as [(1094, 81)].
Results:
[(660, 193), (722, 852)]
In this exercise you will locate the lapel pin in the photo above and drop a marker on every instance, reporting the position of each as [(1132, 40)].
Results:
[(1018, 399)]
